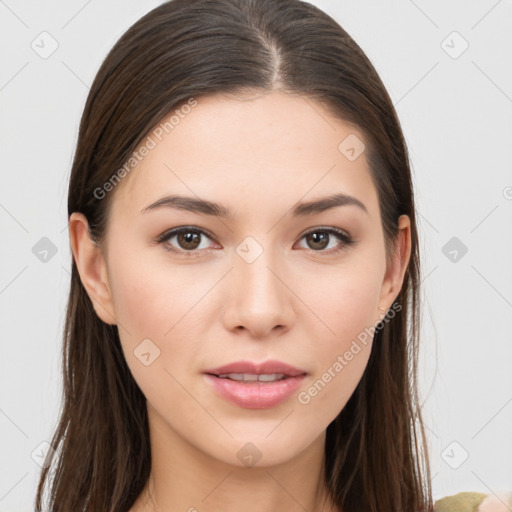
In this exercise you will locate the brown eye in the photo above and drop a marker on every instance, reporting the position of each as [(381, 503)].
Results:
[(187, 240), (319, 240)]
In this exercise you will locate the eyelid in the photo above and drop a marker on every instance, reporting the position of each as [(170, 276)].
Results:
[(329, 229)]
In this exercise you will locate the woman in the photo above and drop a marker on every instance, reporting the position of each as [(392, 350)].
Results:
[(242, 323)]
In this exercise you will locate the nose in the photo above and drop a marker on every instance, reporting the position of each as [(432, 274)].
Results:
[(259, 297)]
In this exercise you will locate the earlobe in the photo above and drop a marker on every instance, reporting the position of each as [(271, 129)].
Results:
[(92, 267), (397, 266)]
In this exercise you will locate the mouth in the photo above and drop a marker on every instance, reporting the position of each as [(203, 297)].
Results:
[(251, 371), (255, 386)]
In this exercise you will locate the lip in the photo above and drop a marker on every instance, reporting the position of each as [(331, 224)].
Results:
[(267, 367), (254, 394)]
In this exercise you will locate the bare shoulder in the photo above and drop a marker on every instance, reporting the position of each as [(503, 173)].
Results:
[(496, 503)]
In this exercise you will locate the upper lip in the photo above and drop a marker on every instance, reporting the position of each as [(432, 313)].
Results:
[(267, 367)]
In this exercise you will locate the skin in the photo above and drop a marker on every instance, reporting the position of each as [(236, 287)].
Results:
[(496, 503), (297, 302)]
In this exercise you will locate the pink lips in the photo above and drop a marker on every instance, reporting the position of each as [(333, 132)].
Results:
[(256, 394)]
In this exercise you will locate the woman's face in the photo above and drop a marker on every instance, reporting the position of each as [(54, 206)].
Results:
[(269, 280)]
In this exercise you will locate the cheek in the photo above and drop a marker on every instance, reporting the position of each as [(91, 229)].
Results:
[(151, 298), (346, 299), (161, 303), (347, 303), (153, 311), (341, 358)]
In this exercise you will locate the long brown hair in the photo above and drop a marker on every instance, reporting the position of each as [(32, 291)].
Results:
[(376, 452)]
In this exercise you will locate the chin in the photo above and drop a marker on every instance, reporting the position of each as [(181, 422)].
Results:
[(262, 450)]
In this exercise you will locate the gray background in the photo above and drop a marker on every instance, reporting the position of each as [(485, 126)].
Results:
[(455, 107)]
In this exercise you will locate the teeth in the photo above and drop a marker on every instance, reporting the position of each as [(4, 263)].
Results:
[(253, 377), (271, 377)]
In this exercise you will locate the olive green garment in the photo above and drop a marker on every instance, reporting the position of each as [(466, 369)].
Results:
[(462, 502)]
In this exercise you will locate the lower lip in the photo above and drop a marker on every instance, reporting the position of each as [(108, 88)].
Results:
[(255, 394)]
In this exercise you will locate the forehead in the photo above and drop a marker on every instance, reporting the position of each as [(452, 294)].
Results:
[(268, 147)]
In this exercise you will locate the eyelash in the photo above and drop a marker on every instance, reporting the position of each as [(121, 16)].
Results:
[(346, 240)]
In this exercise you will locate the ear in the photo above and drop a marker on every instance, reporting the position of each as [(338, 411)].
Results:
[(397, 266), (91, 266)]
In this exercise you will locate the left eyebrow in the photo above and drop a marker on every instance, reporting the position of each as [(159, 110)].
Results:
[(326, 203), (202, 206)]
